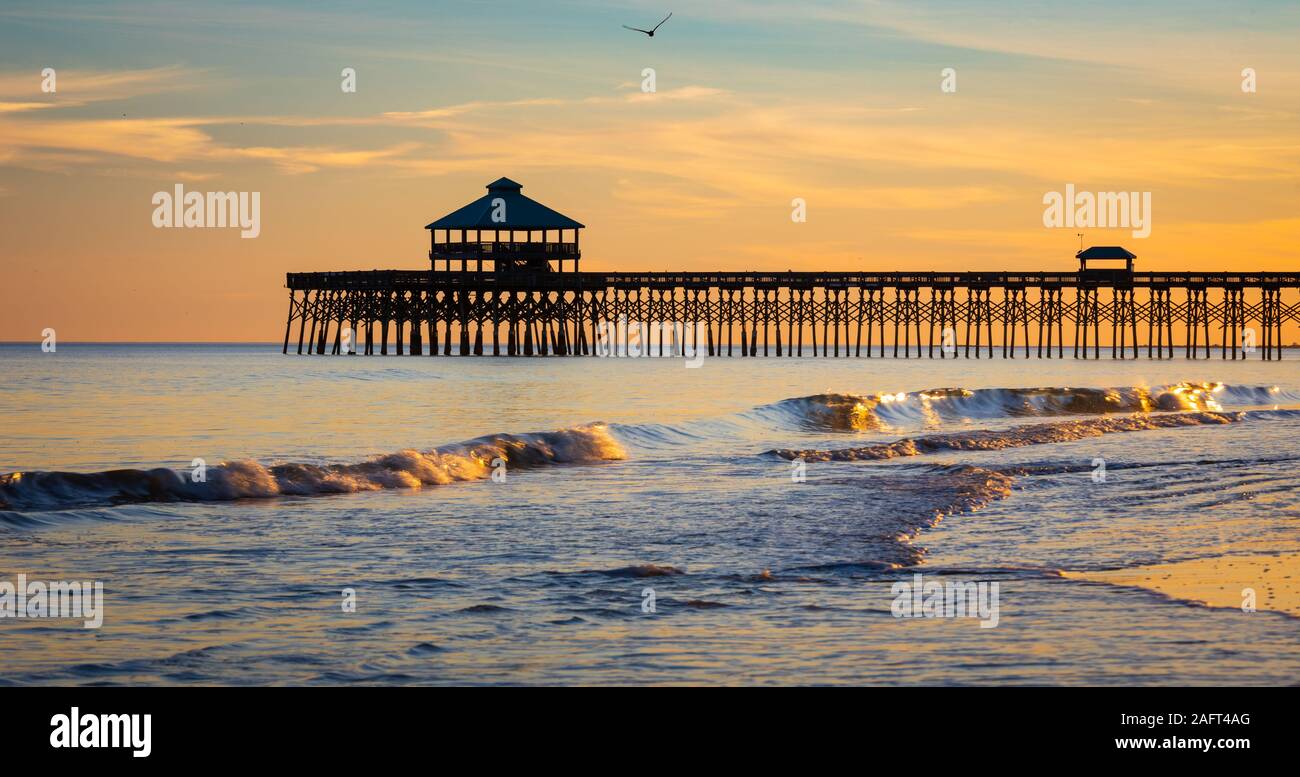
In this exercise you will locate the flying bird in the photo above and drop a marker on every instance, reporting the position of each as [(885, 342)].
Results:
[(650, 32)]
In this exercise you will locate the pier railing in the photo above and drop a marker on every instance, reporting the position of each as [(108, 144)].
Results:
[(370, 279), (496, 248)]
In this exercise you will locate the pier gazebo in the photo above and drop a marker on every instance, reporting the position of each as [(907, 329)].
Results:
[(504, 232), (1105, 254)]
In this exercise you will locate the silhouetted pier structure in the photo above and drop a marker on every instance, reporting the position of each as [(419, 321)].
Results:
[(515, 297)]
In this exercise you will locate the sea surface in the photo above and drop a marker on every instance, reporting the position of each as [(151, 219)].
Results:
[(636, 521)]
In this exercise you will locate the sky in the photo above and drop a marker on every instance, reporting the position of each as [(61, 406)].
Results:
[(756, 103)]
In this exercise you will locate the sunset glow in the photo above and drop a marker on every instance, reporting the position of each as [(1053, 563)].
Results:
[(756, 104)]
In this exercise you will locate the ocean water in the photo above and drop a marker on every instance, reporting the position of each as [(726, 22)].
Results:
[(766, 507)]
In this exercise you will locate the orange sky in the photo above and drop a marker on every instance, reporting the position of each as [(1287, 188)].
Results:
[(757, 103)]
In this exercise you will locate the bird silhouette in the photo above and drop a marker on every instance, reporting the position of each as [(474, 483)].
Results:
[(650, 32)]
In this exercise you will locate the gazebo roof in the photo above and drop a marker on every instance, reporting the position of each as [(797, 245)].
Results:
[(521, 212), (1106, 252)]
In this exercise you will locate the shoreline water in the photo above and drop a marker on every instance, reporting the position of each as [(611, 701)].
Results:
[(757, 576)]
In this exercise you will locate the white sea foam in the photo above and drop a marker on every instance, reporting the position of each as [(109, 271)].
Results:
[(855, 412), (1015, 437), (247, 479)]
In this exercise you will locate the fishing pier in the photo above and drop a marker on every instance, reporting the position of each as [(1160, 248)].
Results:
[(505, 280)]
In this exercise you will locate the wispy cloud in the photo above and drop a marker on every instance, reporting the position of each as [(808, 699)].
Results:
[(17, 107), (308, 159), (699, 136), (81, 87)]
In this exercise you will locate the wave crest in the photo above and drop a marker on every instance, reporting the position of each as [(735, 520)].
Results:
[(859, 412), (471, 460), (1016, 437)]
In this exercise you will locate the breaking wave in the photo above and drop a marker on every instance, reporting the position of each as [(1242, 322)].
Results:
[(1015, 437), (854, 412), (471, 460), (24, 493)]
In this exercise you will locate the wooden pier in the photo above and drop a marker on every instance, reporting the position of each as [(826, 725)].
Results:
[(498, 284), (934, 315)]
